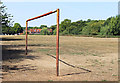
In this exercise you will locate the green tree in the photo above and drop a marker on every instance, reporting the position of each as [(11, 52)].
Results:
[(35, 27), (54, 32), (86, 30), (74, 30), (93, 27), (42, 26), (17, 28), (80, 25), (6, 20), (53, 27), (105, 30), (64, 25), (45, 31), (107, 21), (89, 20), (115, 25), (111, 26)]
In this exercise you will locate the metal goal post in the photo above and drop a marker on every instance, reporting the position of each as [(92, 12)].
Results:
[(57, 37)]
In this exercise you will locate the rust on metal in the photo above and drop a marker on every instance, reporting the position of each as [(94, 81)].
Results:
[(57, 45), (41, 15), (57, 36), (26, 37)]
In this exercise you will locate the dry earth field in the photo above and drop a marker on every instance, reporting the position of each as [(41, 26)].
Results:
[(81, 58)]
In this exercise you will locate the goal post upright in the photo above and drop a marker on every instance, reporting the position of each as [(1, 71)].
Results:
[(57, 37), (57, 45), (26, 38)]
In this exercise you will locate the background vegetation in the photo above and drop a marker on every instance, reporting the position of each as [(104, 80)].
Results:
[(102, 28)]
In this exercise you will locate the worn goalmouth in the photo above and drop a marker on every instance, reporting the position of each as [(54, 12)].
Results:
[(57, 37)]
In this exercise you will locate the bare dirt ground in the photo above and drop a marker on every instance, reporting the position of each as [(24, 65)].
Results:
[(81, 58)]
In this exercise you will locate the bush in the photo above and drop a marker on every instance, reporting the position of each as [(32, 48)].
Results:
[(45, 31)]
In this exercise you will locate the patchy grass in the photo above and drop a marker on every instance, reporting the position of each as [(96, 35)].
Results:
[(114, 75), (112, 61), (82, 52), (104, 80), (50, 80), (77, 53), (44, 50), (94, 54), (110, 69)]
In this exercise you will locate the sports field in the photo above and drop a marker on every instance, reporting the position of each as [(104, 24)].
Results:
[(81, 58)]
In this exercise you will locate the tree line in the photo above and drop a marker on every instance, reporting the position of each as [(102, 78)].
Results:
[(108, 27)]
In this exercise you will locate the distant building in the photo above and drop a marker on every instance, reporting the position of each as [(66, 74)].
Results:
[(35, 31)]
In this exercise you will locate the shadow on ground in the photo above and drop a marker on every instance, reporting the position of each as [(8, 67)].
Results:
[(14, 68), (7, 68), (10, 39), (86, 70), (28, 45), (14, 54)]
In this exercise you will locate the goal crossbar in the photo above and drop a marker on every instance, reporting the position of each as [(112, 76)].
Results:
[(51, 12)]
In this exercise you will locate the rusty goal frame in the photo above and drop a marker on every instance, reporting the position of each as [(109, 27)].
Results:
[(57, 37)]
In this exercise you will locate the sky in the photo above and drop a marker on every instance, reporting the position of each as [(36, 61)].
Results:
[(60, 0), (77, 10)]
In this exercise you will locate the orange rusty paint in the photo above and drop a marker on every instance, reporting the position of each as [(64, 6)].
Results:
[(41, 15), (57, 37), (57, 45), (26, 37)]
